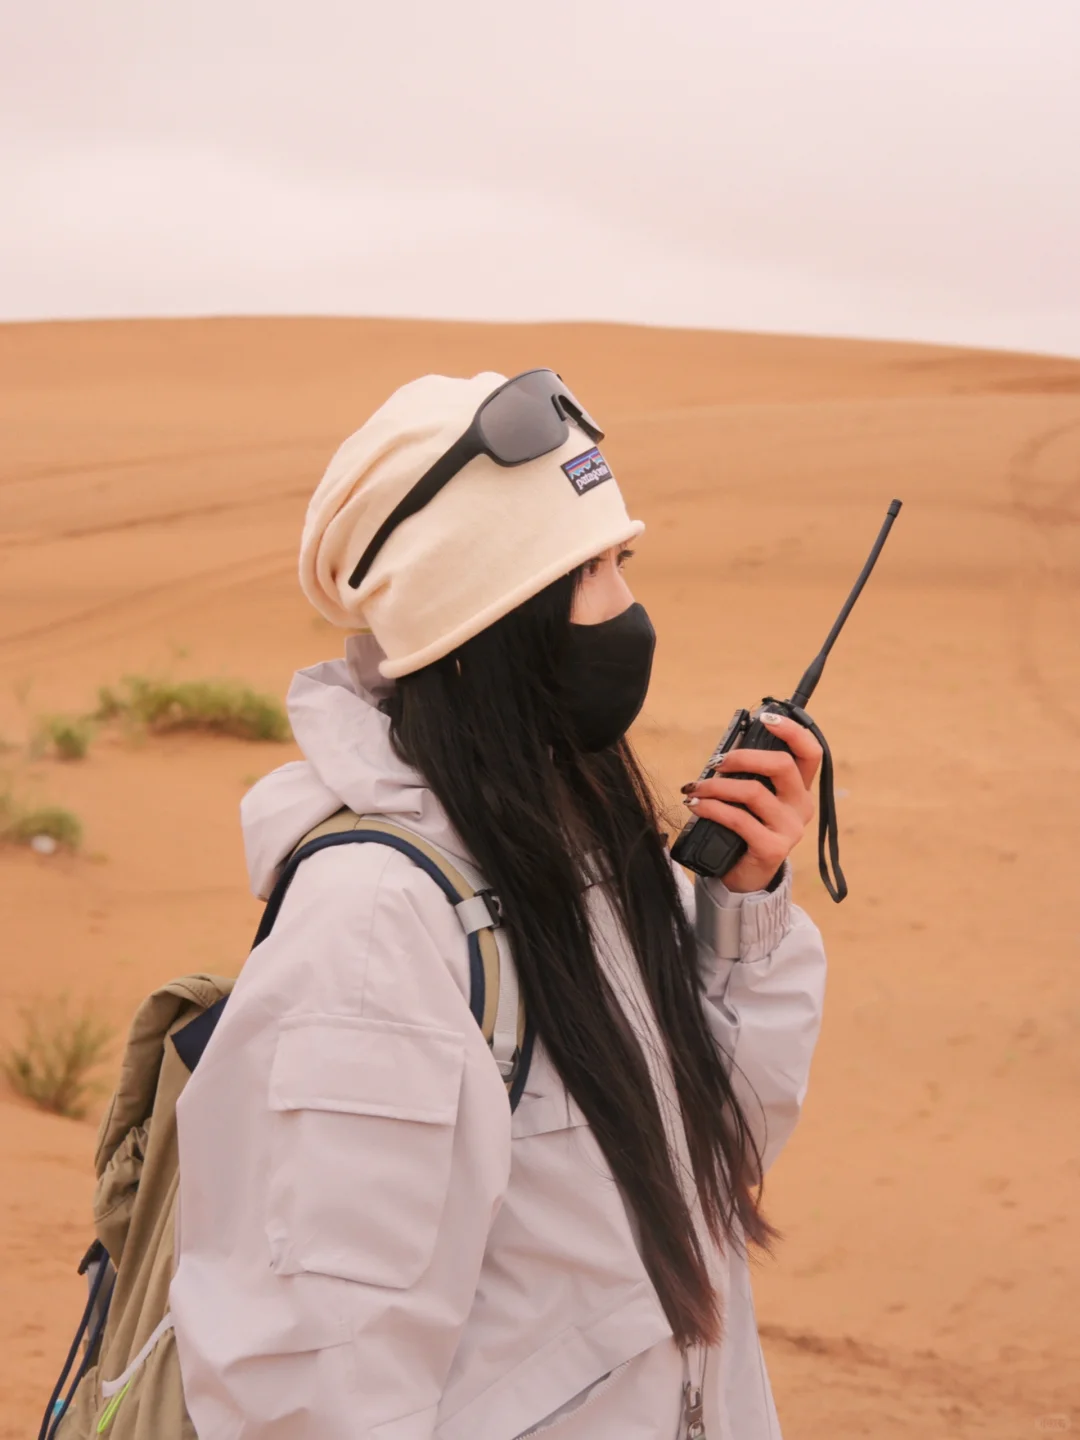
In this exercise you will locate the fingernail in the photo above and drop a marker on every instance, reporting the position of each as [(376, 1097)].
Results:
[(690, 788), (770, 717), (693, 801)]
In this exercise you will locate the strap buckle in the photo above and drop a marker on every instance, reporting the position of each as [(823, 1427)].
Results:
[(494, 907), (508, 1068)]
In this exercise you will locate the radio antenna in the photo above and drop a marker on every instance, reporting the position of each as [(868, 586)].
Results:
[(809, 681)]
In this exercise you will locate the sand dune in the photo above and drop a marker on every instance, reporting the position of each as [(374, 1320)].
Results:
[(152, 482)]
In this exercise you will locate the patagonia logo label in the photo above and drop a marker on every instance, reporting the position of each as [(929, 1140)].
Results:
[(587, 471)]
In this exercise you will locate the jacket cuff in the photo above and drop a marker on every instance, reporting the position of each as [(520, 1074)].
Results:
[(747, 927)]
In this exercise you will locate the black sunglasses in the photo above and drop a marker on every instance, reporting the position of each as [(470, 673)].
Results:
[(526, 417)]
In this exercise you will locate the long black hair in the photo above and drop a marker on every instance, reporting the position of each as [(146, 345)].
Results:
[(488, 728)]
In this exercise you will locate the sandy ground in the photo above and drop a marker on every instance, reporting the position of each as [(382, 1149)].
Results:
[(152, 482)]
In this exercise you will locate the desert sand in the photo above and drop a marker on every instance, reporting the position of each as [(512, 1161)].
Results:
[(153, 478)]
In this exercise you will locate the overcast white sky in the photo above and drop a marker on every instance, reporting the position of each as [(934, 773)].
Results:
[(905, 168)]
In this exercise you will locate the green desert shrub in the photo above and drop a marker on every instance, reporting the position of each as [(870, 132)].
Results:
[(66, 736), (54, 821), (53, 1061), (110, 705), (222, 707), (21, 826)]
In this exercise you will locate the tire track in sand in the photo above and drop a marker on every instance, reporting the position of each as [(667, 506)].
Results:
[(151, 604), (158, 460), (1049, 503)]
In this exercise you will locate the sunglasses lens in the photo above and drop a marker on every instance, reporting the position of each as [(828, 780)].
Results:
[(520, 422)]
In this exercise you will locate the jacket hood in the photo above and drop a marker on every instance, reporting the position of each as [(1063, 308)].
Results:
[(348, 760)]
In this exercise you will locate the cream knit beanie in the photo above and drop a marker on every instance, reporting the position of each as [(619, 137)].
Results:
[(491, 538)]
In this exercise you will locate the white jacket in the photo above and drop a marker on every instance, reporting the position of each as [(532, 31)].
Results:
[(369, 1244)]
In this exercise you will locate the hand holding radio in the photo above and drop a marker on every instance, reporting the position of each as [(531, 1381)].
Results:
[(763, 796), (724, 842)]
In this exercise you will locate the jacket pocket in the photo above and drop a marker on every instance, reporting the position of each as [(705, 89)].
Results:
[(552, 1386), (572, 1409), (363, 1141)]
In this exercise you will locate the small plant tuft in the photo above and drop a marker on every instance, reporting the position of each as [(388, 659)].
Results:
[(219, 707), (110, 705), (67, 736), (19, 826), (54, 1061), (51, 820)]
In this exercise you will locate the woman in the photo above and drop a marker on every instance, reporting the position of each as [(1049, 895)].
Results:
[(370, 1242)]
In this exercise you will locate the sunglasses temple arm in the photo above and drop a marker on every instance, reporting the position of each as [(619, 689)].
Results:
[(464, 449), (571, 411)]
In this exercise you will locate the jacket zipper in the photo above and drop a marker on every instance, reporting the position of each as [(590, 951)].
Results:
[(594, 1394), (693, 1412), (693, 1415)]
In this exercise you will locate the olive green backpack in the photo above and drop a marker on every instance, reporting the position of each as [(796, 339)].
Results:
[(122, 1375)]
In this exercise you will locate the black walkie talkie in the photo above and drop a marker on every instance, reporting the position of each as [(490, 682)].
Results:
[(709, 848)]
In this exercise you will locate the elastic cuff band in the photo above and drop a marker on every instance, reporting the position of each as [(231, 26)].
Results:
[(766, 919)]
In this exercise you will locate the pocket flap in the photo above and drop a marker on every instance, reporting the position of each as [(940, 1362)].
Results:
[(358, 1066), (537, 1114)]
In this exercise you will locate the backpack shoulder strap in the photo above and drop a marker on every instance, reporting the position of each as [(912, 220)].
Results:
[(494, 996)]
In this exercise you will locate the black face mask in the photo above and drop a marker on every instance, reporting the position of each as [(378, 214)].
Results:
[(606, 672)]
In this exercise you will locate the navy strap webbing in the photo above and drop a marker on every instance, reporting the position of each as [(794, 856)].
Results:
[(193, 1038), (477, 984)]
